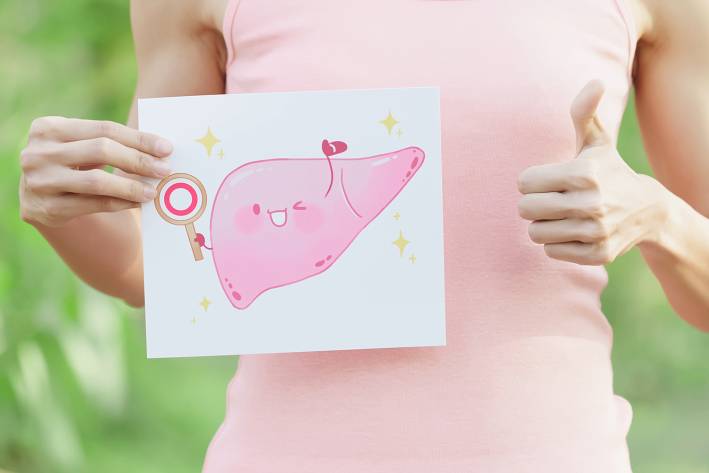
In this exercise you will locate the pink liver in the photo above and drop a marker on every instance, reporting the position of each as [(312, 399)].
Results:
[(273, 224)]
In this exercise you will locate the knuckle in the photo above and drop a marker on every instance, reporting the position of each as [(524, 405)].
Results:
[(601, 254), (93, 181), (52, 210), (593, 205), (107, 128), (43, 126), (102, 147), (50, 151), (142, 163), (31, 183), (146, 141), (586, 175), (143, 141), (33, 155), (135, 191), (27, 159), (586, 181), (598, 231)]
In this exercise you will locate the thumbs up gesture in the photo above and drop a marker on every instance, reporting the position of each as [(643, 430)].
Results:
[(591, 209)]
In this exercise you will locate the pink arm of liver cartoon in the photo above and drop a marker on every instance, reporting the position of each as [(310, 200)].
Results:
[(279, 221)]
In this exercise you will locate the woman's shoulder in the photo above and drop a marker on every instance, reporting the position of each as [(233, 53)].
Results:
[(179, 46), (183, 16), (659, 20)]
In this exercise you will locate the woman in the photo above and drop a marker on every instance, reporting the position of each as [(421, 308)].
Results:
[(525, 382)]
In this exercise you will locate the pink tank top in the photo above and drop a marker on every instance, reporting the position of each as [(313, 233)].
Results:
[(525, 382)]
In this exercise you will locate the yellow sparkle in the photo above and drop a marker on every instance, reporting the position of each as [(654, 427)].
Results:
[(396, 216), (208, 141), (399, 132), (205, 303), (220, 154), (194, 320), (389, 122), (412, 258), (401, 243)]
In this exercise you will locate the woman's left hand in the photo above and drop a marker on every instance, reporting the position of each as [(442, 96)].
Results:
[(594, 208)]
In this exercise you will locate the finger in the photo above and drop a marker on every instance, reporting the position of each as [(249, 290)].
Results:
[(544, 206), (566, 230), (581, 253), (555, 177), (101, 183), (107, 152), (73, 205), (76, 129), (589, 129)]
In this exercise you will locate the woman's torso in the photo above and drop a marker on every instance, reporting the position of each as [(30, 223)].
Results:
[(525, 381)]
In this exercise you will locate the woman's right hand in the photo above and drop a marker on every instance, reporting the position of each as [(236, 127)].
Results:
[(63, 174)]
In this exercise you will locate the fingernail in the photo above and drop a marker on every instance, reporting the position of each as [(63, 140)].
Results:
[(161, 168), (149, 193), (163, 146)]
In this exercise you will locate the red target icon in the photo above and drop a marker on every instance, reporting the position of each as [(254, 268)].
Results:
[(180, 200)]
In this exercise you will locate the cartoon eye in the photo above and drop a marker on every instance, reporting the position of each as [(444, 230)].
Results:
[(299, 205), (256, 209)]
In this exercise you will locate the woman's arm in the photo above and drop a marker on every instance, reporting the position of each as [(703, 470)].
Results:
[(672, 90), (180, 52), (594, 208)]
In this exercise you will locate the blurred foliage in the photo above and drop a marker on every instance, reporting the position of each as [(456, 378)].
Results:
[(76, 392)]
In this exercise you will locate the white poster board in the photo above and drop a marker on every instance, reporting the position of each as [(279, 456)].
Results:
[(299, 221)]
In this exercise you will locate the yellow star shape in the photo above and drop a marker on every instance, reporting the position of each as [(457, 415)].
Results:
[(194, 320), (208, 141), (397, 216), (401, 243), (389, 122), (220, 154), (205, 303), (412, 258), (399, 132)]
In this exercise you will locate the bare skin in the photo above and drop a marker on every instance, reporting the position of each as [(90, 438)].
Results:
[(588, 210)]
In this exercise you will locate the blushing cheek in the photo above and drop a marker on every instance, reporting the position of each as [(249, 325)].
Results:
[(309, 220), (246, 221)]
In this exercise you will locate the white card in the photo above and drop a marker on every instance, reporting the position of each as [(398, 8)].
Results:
[(298, 221)]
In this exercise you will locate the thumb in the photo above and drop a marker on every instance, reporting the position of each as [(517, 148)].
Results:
[(589, 129)]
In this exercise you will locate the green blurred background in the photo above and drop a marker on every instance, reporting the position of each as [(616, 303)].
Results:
[(76, 391)]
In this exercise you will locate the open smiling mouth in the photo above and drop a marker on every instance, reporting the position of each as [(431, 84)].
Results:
[(278, 217)]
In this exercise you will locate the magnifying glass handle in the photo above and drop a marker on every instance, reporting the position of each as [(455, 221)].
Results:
[(196, 248)]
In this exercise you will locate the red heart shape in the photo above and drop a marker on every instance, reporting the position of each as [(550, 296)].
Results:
[(333, 148)]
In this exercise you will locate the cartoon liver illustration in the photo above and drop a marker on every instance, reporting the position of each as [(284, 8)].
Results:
[(279, 221)]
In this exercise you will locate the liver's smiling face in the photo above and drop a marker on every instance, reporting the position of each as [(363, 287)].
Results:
[(277, 199), (257, 217)]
